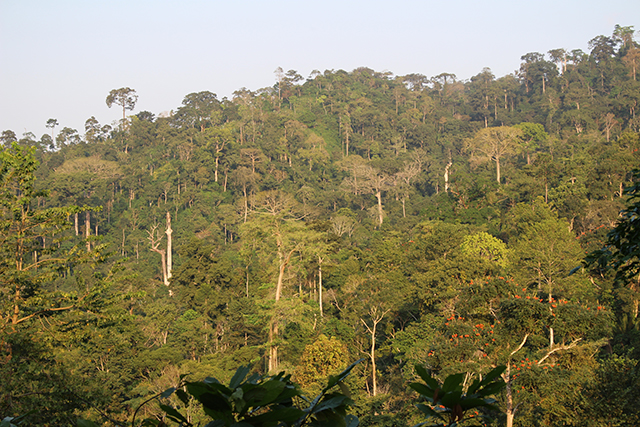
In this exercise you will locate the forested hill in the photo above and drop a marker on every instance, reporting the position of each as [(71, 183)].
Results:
[(403, 219)]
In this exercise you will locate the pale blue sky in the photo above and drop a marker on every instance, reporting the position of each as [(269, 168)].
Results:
[(59, 59)]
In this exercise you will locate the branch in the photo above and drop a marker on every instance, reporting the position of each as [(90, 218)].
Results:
[(366, 326), (47, 310), (43, 261), (524, 340), (558, 348)]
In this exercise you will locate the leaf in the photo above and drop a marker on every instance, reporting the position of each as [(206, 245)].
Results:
[(168, 392), (490, 389), (351, 421), (469, 403), (333, 380), (426, 377), (199, 388), (183, 396), (493, 374), (240, 375), (452, 382), (451, 399), (344, 389), (331, 403), (265, 393), (173, 414), (286, 415), (422, 389)]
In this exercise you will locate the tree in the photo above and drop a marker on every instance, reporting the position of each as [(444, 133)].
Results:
[(559, 56), (533, 137), (375, 182), (283, 235), (124, 97), (448, 403), (320, 359), (27, 236), (35, 304), (493, 144), (51, 124), (198, 110), (621, 252), (7, 137), (67, 136)]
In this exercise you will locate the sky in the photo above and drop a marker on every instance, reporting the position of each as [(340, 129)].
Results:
[(60, 59)]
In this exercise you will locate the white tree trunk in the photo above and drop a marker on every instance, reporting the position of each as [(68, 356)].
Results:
[(169, 232)]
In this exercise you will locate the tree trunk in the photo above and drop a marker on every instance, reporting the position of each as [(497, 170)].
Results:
[(379, 197), (498, 169), (246, 203), (163, 255), (273, 350), (169, 232), (75, 223), (446, 175), (320, 285), (509, 410), (374, 380), (87, 229)]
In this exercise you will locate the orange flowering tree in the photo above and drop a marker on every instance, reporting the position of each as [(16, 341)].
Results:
[(498, 322)]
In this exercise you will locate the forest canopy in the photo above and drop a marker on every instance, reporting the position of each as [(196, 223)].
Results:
[(400, 219)]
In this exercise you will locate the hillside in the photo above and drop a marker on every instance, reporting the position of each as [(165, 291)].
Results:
[(413, 219)]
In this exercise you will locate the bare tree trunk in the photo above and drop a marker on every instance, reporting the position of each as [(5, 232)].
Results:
[(163, 255), (375, 319), (320, 284), (87, 229), (247, 284), (273, 350), (155, 242), (380, 216), (169, 232), (75, 223), (509, 410), (246, 203), (446, 174)]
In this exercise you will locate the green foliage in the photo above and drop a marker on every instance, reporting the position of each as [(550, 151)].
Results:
[(279, 194), (613, 397), (622, 250), (323, 357), (449, 404), (262, 401), (486, 247)]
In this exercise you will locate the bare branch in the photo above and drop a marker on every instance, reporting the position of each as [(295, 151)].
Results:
[(558, 348), (524, 340)]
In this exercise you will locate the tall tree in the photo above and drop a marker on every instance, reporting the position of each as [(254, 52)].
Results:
[(124, 97), (26, 237), (494, 144), (51, 124)]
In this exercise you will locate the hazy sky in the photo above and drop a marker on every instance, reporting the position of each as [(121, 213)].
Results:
[(59, 59)]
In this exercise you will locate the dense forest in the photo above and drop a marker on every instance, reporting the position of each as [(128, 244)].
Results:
[(400, 219)]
